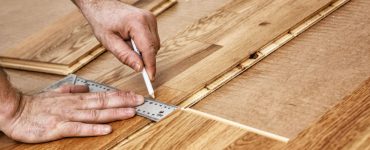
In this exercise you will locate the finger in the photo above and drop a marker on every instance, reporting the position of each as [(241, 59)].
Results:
[(101, 116), (77, 129), (72, 89), (154, 30), (61, 91), (146, 43), (104, 100), (123, 52)]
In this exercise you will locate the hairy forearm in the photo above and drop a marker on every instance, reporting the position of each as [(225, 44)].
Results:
[(8, 98)]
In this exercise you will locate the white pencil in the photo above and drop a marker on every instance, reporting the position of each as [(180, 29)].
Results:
[(144, 73)]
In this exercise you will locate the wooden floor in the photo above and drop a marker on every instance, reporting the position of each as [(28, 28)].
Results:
[(293, 87), (317, 85), (60, 44)]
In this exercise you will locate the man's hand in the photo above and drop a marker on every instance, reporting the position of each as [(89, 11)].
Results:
[(65, 112), (114, 23)]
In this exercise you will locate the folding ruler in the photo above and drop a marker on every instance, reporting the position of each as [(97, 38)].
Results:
[(151, 109)]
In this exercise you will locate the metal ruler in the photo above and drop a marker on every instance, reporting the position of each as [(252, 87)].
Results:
[(151, 109)]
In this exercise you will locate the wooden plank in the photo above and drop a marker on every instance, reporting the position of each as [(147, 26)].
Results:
[(346, 126), (293, 87), (246, 34), (15, 16), (186, 130), (60, 47), (251, 142)]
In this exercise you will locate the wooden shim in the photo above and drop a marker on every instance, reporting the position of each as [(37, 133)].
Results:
[(235, 124), (187, 130)]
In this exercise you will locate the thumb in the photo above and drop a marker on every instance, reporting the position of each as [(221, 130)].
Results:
[(123, 52)]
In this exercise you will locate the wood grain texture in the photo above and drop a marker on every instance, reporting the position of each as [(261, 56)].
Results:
[(185, 130), (192, 59), (251, 142), (293, 87), (15, 16), (248, 35), (107, 63), (345, 126), (63, 44)]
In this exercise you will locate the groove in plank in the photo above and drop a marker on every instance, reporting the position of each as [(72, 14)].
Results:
[(295, 85)]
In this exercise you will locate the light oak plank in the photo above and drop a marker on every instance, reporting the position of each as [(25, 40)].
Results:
[(293, 87), (15, 16), (249, 35), (345, 126)]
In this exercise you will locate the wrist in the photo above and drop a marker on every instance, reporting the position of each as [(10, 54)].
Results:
[(10, 102)]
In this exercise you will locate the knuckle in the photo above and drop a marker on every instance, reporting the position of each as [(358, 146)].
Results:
[(141, 17), (94, 115), (101, 98), (130, 97), (124, 57)]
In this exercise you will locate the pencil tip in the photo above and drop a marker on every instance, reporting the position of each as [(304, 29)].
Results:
[(152, 95)]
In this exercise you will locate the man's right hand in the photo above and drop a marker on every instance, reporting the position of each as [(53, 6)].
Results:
[(66, 112)]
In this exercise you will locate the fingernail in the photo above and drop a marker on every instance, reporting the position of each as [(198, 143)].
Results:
[(137, 67), (139, 99), (152, 77), (107, 130)]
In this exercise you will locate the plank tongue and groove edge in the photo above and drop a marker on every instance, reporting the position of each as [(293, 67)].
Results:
[(65, 45), (204, 71)]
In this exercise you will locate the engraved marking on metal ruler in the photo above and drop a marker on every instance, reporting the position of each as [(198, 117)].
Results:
[(151, 109)]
